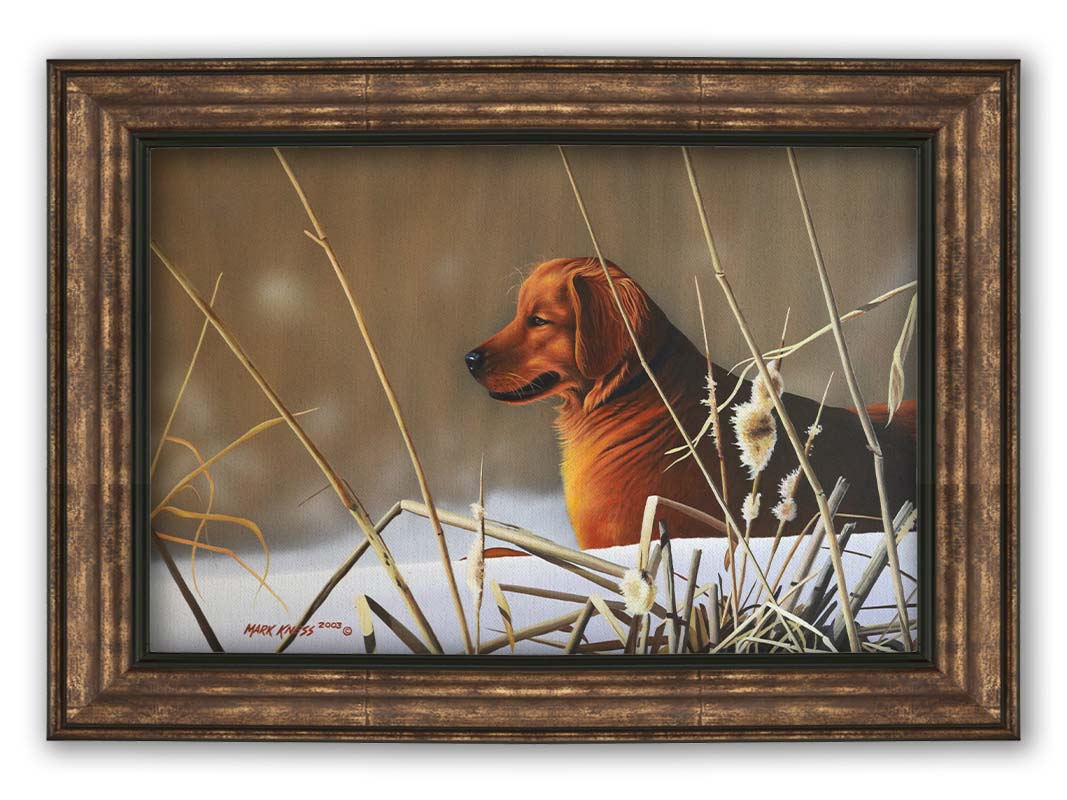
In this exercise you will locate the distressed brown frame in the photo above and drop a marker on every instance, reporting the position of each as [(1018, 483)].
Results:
[(967, 689)]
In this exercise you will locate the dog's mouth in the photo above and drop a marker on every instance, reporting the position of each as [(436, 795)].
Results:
[(535, 388)]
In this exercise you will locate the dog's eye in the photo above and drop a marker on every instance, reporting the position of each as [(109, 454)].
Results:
[(537, 322)]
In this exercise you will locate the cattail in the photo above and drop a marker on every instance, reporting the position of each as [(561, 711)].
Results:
[(476, 556), (756, 433), (760, 393), (788, 486), (476, 567), (785, 510), (750, 507), (638, 591)]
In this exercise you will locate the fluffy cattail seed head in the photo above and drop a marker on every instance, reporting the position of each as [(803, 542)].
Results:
[(786, 510), (788, 487), (750, 507), (760, 392), (476, 566), (756, 433), (638, 591)]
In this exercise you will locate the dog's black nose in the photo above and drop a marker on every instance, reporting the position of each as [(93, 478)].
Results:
[(475, 359)]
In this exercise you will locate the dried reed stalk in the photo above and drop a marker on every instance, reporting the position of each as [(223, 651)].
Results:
[(531, 542), (668, 579), (783, 415), (319, 237), (190, 600), (566, 621), (687, 604), (819, 598), (337, 577), (185, 383), (902, 525), (481, 555), (727, 514), (346, 496), (713, 405), (815, 541), (366, 624), (579, 628), (857, 401), (401, 631)]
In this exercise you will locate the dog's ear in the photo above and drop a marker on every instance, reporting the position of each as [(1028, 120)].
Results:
[(601, 342)]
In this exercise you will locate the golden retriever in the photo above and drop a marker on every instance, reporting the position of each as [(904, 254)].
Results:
[(567, 340)]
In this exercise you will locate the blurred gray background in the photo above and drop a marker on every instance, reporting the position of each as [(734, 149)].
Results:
[(435, 241)]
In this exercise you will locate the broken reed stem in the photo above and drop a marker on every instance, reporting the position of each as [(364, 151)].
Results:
[(531, 542), (579, 629), (687, 604), (857, 401), (320, 239), (179, 581), (783, 415), (336, 578), (729, 517), (668, 579), (347, 497), (713, 402), (185, 382), (528, 633)]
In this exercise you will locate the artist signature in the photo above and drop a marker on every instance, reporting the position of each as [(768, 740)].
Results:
[(262, 629)]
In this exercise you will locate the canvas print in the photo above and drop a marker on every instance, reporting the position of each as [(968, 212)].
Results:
[(545, 400)]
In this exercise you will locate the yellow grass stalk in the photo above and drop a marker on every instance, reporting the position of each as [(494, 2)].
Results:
[(319, 237), (244, 523), (228, 552), (505, 612), (210, 502), (351, 503), (185, 382), (783, 415), (857, 401), (249, 434)]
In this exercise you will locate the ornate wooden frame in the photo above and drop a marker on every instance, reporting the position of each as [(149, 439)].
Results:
[(964, 686)]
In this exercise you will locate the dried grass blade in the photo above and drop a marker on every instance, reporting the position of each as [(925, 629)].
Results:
[(402, 632), (185, 383), (900, 352), (225, 551), (504, 607), (366, 623)]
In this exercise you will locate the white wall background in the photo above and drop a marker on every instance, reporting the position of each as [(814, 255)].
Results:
[(34, 32)]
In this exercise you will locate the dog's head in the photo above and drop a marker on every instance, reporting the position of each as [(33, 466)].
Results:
[(568, 337)]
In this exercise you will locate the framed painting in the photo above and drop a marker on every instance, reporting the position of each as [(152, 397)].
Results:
[(533, 399)]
